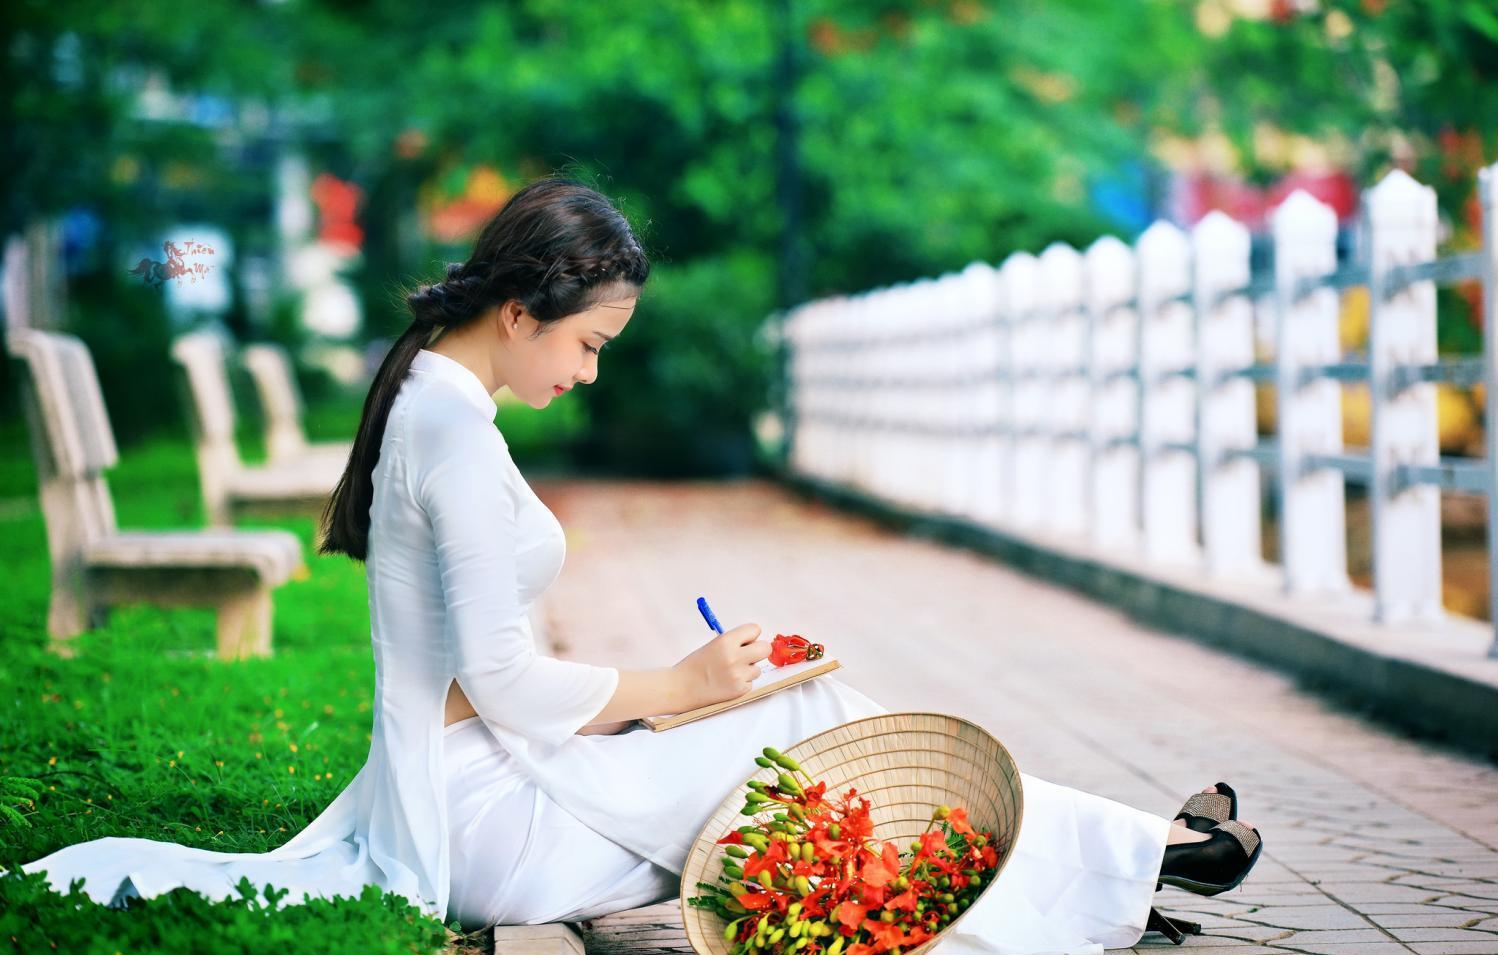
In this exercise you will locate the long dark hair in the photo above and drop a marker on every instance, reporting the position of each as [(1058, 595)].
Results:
[(557, 246)]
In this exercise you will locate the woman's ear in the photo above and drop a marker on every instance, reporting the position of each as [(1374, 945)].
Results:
[(507, 318), (517, 314)]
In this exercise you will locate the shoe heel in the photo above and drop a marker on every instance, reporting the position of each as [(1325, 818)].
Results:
[(1172, 928)]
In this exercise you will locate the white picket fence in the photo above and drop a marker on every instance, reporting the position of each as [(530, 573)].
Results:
[(1106, 394)]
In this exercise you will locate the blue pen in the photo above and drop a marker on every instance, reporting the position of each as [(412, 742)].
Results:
[(707, 614)]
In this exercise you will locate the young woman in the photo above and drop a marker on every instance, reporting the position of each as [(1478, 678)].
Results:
[(506, 787)]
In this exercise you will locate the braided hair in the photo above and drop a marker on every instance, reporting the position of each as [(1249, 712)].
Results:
[(556, 246)]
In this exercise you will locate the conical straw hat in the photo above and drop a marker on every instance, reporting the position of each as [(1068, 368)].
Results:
[(907, 764)]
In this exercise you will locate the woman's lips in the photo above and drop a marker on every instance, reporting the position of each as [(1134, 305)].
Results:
[(559, 389)]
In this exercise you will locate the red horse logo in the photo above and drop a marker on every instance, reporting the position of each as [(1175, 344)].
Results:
[(154, 273)]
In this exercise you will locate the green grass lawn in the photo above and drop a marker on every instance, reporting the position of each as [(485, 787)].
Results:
[(142, 734)]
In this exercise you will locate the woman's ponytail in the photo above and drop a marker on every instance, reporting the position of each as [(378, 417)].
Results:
[(346, 517)]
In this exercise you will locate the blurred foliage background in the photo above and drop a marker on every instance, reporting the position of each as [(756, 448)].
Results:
[(768, 152)]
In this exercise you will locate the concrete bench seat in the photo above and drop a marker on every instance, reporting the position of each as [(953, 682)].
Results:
[(95, 565), (309, 479), (273, 556), (299, 476)]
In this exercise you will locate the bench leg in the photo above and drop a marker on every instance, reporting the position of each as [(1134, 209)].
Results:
[(70, 611), (244, 624), (67, 614), (553, 938)]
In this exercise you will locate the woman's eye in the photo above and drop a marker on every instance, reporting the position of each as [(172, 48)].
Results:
[(591, 349)]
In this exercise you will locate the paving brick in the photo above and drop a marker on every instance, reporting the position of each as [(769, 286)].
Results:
[(1348, 948), (1308, 917), (1443, 935), (1429, 917)]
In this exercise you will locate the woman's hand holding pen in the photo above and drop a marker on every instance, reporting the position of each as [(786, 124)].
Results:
[(725, 667)]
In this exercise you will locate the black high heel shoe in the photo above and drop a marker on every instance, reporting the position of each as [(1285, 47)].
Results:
[(1215, 865), (1232, 845)]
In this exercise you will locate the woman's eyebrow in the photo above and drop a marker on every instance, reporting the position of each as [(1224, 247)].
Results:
[(607, 338)]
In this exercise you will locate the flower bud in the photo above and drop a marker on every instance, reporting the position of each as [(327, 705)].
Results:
[(787, 762)]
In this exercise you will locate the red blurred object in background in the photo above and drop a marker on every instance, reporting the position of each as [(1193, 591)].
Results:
[(337, 202)]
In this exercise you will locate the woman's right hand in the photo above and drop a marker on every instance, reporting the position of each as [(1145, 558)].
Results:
[(724, 668)]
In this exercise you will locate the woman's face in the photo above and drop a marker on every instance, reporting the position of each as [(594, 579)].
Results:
[(565, 353)]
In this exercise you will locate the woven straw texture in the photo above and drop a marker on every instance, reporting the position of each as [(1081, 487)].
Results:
[(907, 764)]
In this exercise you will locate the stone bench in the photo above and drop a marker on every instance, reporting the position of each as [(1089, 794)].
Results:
[(229, 486), (95, 565), (281, 400)]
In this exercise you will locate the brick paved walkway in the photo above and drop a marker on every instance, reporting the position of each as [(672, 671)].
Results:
[(1373, 843)]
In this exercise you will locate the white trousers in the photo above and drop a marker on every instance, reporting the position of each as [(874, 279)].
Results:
[(1080, 877)]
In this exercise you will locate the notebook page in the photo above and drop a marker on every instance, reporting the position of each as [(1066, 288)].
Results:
[(769, 673)]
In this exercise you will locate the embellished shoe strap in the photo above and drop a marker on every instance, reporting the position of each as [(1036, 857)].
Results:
[(1214, 806), (1247, 838)]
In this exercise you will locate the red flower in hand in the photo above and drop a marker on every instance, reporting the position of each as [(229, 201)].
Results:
[(785, 650)]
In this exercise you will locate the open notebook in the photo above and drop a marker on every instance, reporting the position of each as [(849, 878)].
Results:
[(770, 679)]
